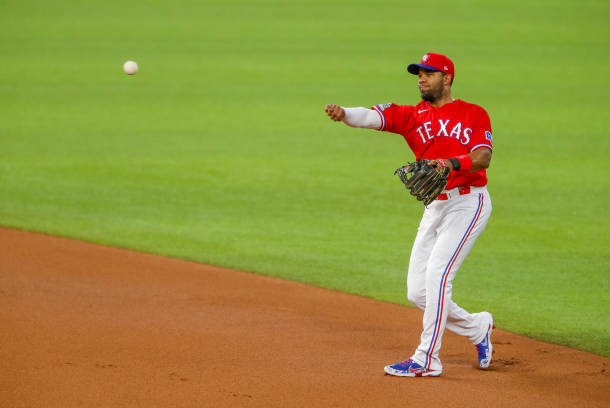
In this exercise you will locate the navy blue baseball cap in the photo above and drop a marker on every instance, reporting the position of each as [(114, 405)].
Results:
[(433, 62)]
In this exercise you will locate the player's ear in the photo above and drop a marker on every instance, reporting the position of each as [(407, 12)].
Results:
[(448, 79)]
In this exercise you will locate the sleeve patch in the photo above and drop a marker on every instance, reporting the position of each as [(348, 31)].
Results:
[(488, 136), (384, 106)]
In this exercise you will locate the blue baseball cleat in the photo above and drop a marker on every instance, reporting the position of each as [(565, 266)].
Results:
[(410, 368), (484, 348)]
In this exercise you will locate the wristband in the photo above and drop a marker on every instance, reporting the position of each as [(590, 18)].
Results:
[(455, 163), (465, 162)]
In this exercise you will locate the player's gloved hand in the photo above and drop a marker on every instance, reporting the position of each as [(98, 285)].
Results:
[(335, 112), (425, 179)]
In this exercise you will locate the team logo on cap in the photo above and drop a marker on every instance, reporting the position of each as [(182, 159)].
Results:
[(425, 58), (488, 136)]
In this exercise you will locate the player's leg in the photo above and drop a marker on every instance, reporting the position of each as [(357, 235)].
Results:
[(464, 219), (473, 326), (416, 283), (470, 325), (420, 253)]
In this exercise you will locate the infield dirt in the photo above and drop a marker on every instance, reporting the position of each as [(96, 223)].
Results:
[(84, 325)]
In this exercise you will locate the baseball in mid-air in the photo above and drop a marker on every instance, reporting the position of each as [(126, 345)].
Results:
[(130, 67)]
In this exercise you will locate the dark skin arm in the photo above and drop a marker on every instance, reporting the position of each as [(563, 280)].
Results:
[(480, 159)]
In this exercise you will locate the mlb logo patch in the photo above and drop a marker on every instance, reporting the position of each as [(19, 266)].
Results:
[(488, 136), (384, 106)]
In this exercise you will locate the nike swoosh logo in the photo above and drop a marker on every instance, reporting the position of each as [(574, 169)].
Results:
[(420, 111)]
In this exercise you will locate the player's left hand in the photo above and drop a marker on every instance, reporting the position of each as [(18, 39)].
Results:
[(442, 163)]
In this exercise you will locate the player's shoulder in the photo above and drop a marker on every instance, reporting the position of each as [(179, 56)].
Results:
[(387, 105), (391, 106), (383, 106), (471, 107)]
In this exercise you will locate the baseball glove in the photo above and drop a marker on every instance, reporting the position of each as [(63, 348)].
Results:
[(423, 180)]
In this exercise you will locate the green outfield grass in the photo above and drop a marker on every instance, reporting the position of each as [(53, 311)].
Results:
[(218, 150)]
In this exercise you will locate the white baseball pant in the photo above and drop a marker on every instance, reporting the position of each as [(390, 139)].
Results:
[(447, 232)]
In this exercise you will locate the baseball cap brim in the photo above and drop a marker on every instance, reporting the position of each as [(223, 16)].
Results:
[(414, 68)]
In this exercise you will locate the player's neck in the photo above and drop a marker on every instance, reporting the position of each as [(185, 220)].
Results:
[(443, 100)]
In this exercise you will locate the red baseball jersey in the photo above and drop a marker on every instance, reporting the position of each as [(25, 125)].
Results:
[(452, 130)]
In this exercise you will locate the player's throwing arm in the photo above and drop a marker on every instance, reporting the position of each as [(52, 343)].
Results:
[(354, 117)]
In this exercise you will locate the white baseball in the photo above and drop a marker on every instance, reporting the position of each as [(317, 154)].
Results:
[(130, 67)]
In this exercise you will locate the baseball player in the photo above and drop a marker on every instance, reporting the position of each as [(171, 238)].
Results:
[(455, 134)]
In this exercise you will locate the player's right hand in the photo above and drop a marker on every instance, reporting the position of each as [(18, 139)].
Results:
[(335, 112)]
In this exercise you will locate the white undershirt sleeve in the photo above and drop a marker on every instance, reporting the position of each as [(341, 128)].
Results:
[(362, 118)]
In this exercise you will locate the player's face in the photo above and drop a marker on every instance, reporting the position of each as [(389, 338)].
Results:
[(430, 85)]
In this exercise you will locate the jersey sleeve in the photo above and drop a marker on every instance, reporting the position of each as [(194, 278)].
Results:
[(481, 134), (395, 118)]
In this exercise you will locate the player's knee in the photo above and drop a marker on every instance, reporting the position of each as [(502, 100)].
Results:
[(418, 298)]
